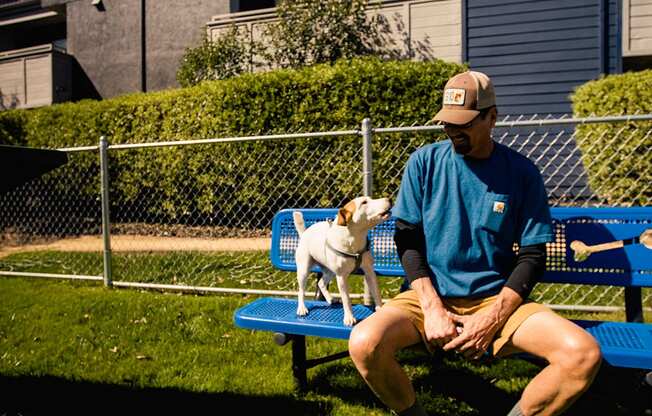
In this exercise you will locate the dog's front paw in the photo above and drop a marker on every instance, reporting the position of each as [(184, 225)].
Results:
[(302, 310), (349, 320), (378, 307)]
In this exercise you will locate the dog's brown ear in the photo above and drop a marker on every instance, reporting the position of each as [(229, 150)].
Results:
[(343, 216)]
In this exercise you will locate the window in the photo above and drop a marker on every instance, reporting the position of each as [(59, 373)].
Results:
[(246, 5)]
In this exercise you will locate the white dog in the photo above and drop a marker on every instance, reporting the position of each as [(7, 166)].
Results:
[(340, 247)]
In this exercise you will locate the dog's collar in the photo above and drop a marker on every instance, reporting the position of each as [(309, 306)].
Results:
[(356, 256)]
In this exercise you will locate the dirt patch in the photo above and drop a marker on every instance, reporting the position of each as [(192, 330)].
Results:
[(135, 243)]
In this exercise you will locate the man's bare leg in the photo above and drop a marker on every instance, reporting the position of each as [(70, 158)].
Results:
[(373, 344), (573, 356)]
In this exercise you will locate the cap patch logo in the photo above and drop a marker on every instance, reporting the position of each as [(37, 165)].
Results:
[(499, 207), (454, 96)]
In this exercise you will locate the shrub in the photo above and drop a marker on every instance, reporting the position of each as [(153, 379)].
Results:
[(316, 31), (12, 124), (617, 156)]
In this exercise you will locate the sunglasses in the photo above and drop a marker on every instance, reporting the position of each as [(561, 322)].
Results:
[(467, 125)]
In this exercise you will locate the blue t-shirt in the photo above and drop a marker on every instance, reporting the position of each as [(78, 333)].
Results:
[(472, 213)]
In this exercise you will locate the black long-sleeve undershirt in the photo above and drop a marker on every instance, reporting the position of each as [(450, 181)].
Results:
[(411, 246)]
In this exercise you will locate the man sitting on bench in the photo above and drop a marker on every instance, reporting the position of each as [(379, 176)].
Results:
[(461, 207)]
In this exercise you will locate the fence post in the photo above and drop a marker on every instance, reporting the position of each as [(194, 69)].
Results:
[(106, 224), (367, 181), (367, 173)]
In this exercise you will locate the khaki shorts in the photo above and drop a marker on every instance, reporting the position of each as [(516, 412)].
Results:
[(409, 302)]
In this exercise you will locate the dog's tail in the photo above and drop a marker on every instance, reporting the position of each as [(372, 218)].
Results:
[(299, 224)]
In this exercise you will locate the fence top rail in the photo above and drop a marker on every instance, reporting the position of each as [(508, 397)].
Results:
[(518, 122), (78, 149), (533, 122), (170, 143)]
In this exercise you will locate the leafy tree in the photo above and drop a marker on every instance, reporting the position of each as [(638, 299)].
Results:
[(228, 55), (306, 32), (316, 31)]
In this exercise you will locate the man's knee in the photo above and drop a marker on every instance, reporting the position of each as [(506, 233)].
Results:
[(580, 357), (363, 346), (562, 343)]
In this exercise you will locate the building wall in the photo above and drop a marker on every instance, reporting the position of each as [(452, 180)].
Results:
[(26, 78), (108, 42), (439, 26), (62, 88), (637, 27), (174, 26), (431, 28), (538, 52)]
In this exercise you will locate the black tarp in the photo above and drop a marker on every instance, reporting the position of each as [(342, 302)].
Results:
[(19, 165)]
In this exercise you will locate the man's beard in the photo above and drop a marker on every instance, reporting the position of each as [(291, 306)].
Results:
[(461, 143)]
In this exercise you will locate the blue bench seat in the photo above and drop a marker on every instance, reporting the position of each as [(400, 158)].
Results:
[(623, 344)]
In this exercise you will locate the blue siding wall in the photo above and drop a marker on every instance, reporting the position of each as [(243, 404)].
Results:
[(537, 52)]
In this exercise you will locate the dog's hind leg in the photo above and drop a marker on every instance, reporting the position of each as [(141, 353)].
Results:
[(370, 277)]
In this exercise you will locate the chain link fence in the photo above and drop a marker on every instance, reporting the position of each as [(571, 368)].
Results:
[(196, 214)]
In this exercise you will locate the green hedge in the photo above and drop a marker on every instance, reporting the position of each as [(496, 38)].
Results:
[(319, 98), (617, 156)]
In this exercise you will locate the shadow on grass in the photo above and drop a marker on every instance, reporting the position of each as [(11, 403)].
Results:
[(436, 388), (28, 396), (616, 391), (448, 388)]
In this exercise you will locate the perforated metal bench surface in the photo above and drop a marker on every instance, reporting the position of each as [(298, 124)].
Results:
[(280, 315), (623, 344)]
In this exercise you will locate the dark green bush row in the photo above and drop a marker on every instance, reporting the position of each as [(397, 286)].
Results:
[(617, 156), (319, 98)]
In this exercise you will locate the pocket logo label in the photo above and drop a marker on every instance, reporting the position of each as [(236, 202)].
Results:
[(499, 207)]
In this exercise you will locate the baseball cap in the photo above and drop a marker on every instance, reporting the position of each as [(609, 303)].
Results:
[(465, 95)]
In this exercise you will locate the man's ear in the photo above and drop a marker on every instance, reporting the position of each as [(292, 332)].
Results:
[(344, 216), (493, 114)]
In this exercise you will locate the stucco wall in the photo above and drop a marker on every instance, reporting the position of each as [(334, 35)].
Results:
[(107, 42), (173, 26)]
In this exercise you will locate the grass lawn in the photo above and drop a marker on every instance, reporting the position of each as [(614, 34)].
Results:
[(79, 348)]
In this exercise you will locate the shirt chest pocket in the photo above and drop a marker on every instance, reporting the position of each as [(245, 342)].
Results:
[(497, 216)]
